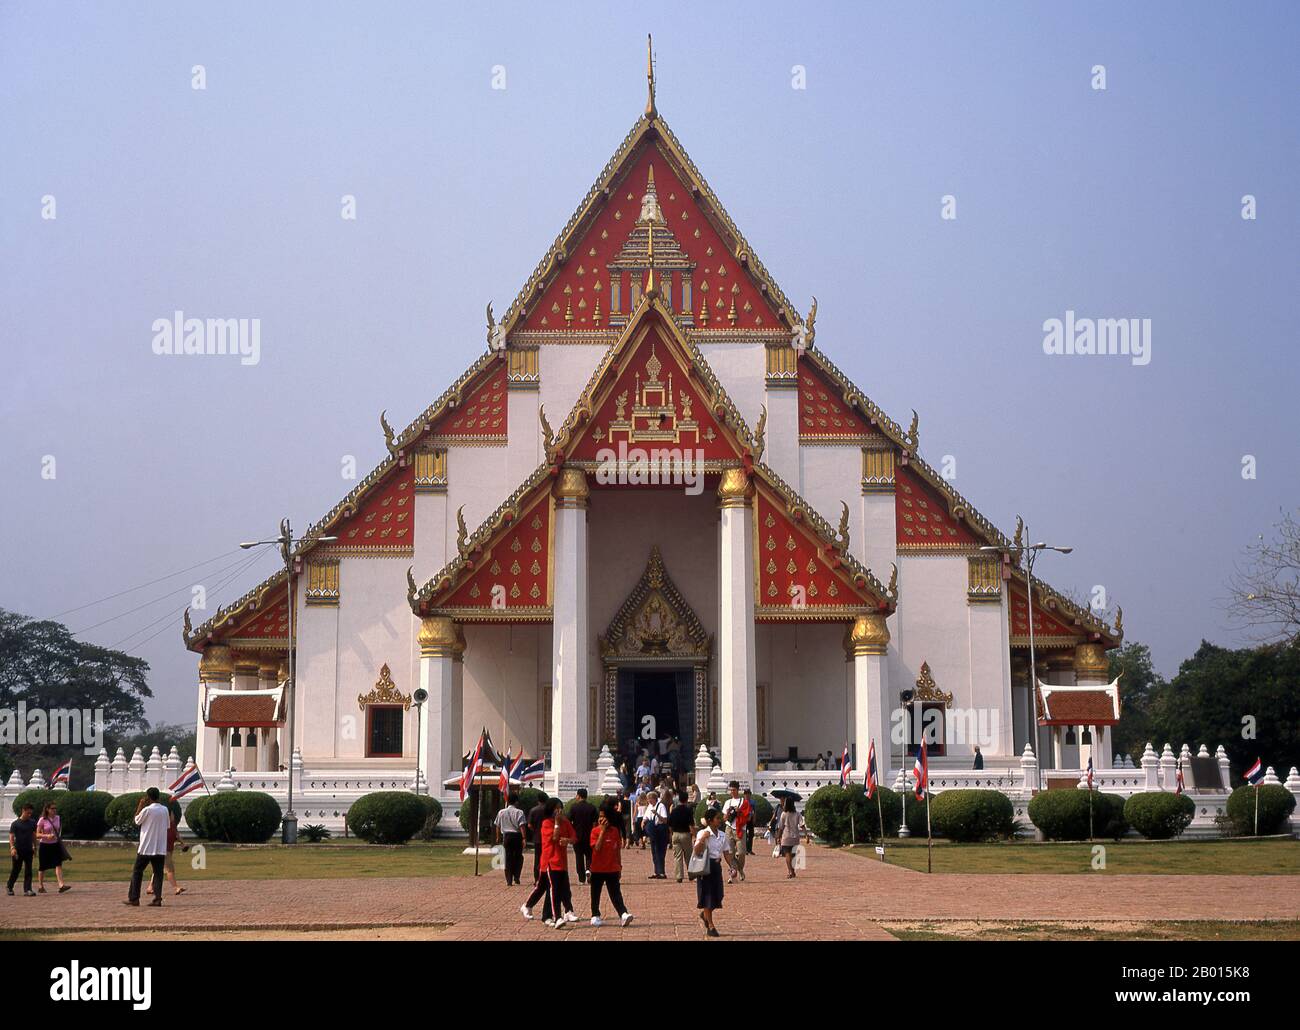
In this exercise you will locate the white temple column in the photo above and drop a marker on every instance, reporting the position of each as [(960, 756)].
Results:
[(737, 685), (569, 641), (215, 667), (442, 646), (867, 643)]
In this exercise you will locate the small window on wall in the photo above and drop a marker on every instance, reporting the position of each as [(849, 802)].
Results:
[(384, 731)]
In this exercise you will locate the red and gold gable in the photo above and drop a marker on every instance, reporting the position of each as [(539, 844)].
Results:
[(516, 568), (481, 415), (792, 559), (654, 403), (386, 519), (1046, 624), (269, 623), (570, 301), (922, 515), (823, 413)]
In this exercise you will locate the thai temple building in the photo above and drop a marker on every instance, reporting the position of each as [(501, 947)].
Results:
[(654, 507)]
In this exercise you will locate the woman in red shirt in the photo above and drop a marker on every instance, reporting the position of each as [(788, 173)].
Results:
[(553, 882), (607, 864)]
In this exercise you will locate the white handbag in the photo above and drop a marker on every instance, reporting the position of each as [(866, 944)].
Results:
[(698, 866)]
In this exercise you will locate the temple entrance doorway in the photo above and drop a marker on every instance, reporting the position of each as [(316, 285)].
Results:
[(655, 707)]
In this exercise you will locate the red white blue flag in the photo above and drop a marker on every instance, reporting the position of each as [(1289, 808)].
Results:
[(505, 776), (846, 767), (62, 774), (1178, 779), (533, 772), (1255, 773), (1090, 772), (190, 780), (472, 768), (921, 773), (871, 770)]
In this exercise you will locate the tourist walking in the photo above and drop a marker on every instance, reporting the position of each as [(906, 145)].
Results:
[(681, 821), (711, 844), (736, 810), (582, 813), (656, 828), (979, 759), (153, 818), (607, 865), (169, 864), (510, 826), (49, 839), (553, 884), (22, 845), (535, 816), (787, 834)]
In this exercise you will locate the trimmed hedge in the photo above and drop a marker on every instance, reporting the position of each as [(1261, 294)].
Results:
[(81, 812), (1063, 814), (827, 813), (1276, 804), (194, 816), (972, 815), (240, 817), (916, 814), (388, 816), (120, 813), (1159, 815)]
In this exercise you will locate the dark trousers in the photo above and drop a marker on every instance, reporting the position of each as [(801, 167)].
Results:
[(537, 860), (658, 846), (137, 875), (23, 861), (514, 854), (553, 892), (611, 882), (582, 856)]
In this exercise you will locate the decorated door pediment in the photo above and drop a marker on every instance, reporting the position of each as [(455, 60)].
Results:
[(655, 623)]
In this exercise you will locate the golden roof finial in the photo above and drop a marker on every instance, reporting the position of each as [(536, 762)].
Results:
[(650, 111)]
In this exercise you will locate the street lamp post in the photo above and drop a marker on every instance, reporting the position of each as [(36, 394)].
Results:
[(289, 824), (1032, 551)]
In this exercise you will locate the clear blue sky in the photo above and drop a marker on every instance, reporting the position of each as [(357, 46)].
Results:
[(225, 203)]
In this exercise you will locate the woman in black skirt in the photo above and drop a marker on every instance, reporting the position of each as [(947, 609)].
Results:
[(712, 843)]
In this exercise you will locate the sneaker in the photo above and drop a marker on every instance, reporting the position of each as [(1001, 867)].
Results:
[(11, 892), (523, 910), (64, 889), (627, 918), (569, 917), (558, 924), (597, 921), (29, 894)]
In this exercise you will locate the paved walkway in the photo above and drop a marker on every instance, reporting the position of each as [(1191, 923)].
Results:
[(837, 896)]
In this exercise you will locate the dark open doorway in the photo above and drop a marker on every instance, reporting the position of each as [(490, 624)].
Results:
[(654, 704)]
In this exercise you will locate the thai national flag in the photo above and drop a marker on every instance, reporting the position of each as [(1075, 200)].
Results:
[(62, 774), (505, 776), (1090, 772), (846, 769), (871, 770), (190, 780), (472, 768), (1256, 772), (1178, 779), (921, 773), (533, 771)]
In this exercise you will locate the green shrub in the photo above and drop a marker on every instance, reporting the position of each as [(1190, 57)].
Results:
[(194, 816), (972, 815), (530, 798), (763, 811), (388, 816), (120, 813), (313, 833), (81, 812), (1063, 814), (1159, 815), (595, 799), (1276, 804), (240, 817), (832, 812), (487, 801), (432, 817), (915, 810)]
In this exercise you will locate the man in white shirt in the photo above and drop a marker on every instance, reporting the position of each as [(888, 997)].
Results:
[(154, 819)]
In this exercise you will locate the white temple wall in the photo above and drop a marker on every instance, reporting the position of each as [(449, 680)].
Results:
[(477, 478), (505, 668), (809, 687), (316, 676), (742, 370), (431, 542), (782, 453), (830, 474), (565, 369)]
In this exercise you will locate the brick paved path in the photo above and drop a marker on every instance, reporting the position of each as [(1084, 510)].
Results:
[(838, 896)]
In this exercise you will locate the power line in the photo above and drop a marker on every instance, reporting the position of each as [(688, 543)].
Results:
[(131, 590)]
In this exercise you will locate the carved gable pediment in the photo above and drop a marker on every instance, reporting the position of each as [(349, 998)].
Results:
[(655, 621)]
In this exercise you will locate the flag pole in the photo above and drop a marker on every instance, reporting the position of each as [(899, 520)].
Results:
[(880, 812), (478, 807), (1090, 833), (929, 838), (1257, 810)]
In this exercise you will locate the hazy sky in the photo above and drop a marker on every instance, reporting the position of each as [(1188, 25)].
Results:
[(225, 202)]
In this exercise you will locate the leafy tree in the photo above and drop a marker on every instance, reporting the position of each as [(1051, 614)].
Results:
[(1139, 686)]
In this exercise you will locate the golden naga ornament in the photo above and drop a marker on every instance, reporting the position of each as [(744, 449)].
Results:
[(841, 541), (385, 692), (411, 589), (462, 532), (760, 434), (389, 436), (891, 591), (548, 434), (913, 437)]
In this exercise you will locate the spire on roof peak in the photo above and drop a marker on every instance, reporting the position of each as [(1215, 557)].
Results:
[(650, 111)]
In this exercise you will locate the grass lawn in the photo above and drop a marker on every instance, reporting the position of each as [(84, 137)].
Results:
[(1256, 857), (1191, 930), (278, 862)]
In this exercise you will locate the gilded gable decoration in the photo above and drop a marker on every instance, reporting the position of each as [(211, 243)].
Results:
[(655, 621), (928, 690), (431, 470), (984, 579), (322, 582), (385, 692)]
